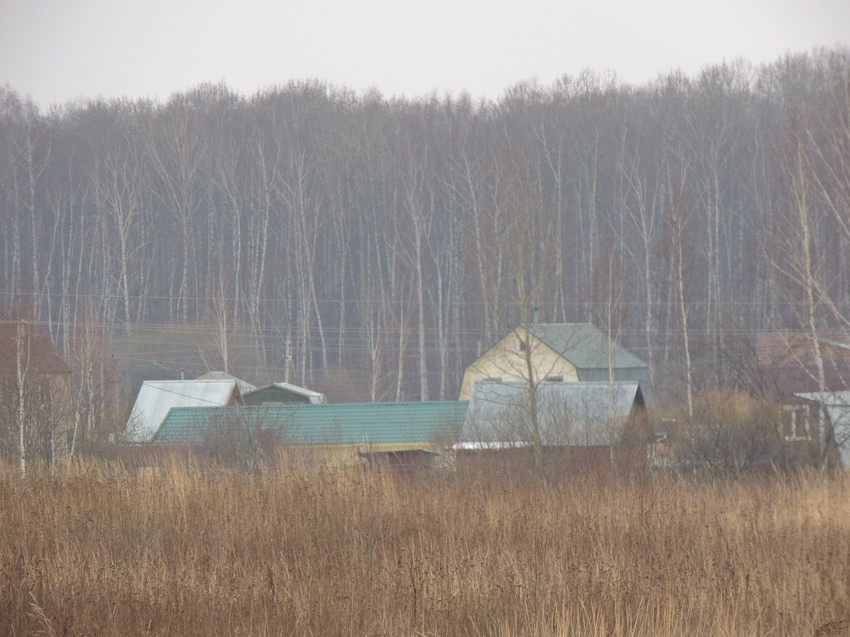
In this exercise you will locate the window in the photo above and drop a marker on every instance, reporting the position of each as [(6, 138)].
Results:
[(554, 378), (795, 423)]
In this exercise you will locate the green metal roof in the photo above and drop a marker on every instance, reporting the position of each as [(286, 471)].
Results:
[(584, 345), (342, 423)]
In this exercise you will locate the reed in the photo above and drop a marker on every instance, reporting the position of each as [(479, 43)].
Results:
[(191, 550)]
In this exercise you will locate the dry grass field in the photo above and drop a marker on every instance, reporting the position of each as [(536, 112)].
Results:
[(95, 550)]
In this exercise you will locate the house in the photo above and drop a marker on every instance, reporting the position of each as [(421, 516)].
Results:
[(31, 371), (284, 393), (583, 426), (566, 352), (817, 424), (385, 434), (568, 414), (157, 397), (785, 363), (735, 432)]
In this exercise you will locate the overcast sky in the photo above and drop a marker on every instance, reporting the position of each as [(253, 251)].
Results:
[(59, 50)]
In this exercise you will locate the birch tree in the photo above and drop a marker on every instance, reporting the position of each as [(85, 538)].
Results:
[(679, 226), (118, 192), (35, 408), (176, 149)]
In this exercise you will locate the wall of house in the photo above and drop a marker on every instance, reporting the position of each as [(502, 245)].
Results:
[(806, 434), (507, 362)]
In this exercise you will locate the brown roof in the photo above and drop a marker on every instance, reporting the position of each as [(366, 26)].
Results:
[(42, 355), (783, 348), (785, 363)]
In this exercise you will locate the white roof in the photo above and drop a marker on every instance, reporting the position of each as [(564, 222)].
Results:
[(157, 397), (488, 446), (841, 398), (244, 386), (315, 397)]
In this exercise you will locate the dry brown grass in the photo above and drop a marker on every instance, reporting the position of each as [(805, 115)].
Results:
[(94, 550)]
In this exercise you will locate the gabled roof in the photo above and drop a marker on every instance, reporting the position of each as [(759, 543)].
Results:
[(785, 348), (785, 380), (41, 357), (157, 397), (244, 387), (841, 398), (577, 414), (584, 345), (340, 423), (308, 395), (785, 363)]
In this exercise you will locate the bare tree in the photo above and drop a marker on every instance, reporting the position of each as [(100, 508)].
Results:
[(728, 433), (177, 150), (36, 396), (96, 384), (303, 192), (677, 234), (221, 313), (801, 246), (521, 228), (118, 192), (642, 209)]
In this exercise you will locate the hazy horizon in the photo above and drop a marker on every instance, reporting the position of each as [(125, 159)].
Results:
[(56, 52)]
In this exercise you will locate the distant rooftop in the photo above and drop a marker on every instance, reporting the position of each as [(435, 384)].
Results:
[(157, 397), (785, 363), (284, 393), (576, 414), (328, 424), (41, 357), (584, 345)]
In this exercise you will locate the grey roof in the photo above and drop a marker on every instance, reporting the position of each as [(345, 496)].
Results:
[(584, 345), (338, 423), (157, 397), (579, 414)]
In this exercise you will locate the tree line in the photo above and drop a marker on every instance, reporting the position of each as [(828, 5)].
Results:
[(308, 232)]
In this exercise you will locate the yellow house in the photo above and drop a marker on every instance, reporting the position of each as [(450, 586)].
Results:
[(567, 352)]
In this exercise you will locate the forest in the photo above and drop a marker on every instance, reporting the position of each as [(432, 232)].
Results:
[(373, 247)]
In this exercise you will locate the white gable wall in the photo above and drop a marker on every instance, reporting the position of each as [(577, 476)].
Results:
[(157, 397)]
